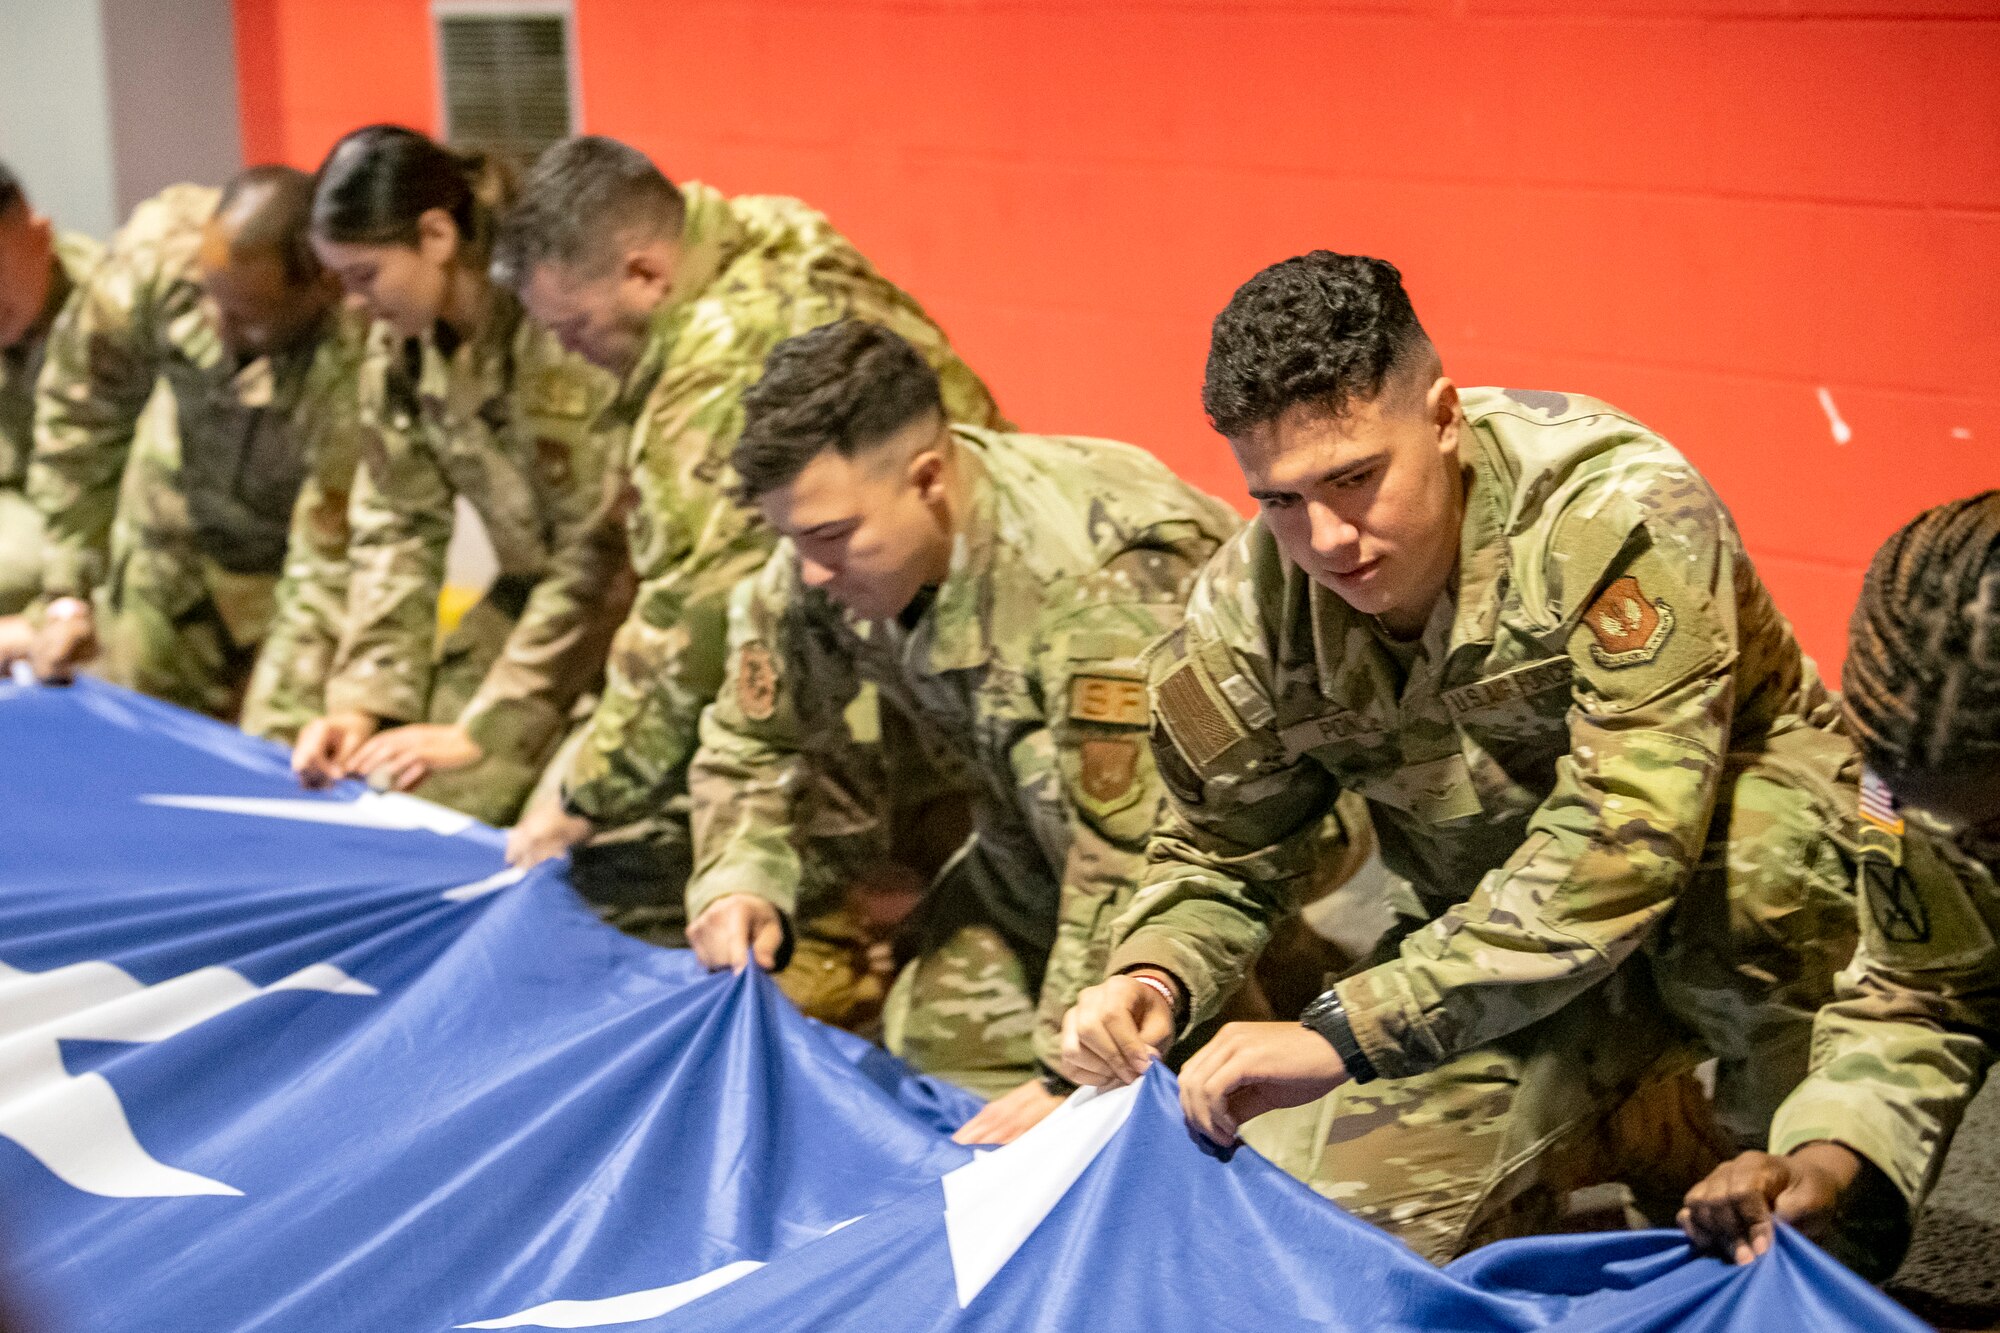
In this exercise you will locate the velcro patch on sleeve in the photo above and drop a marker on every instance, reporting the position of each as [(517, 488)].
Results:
[(1630, 627), (1200, 722), (1110, 700)]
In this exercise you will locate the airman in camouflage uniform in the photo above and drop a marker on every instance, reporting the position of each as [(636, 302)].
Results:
[(1600, 748), (169, 464), (745, 273), (504, 419), (67, 258), (1916, 1025), (1021, 678)]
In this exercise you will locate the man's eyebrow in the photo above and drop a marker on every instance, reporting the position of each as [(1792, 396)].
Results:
[(1325, 478), (820, 528)]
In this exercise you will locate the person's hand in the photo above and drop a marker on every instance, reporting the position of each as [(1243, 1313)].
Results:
[(545, 831), (1116, 1028), (1010, 1115), (1730, 1213), (324, 751), (733, 929), (404, 756), (17, 641), (67, 638), (1251, 1068)]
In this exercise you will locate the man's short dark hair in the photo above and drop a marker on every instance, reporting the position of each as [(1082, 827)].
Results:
[(12, 196), (586, 198), (1325, 329), (273, 216), (845, 386)]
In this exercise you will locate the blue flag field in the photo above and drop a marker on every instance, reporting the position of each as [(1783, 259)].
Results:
[(310, 1062)]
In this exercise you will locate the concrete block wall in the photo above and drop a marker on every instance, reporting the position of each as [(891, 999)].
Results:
[(1770, 228)]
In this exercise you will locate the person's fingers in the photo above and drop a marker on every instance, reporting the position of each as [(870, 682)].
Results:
[(976, 1129), (1078, 1064), (410, 774), (1132, 1054), (702, 939), (1198, 1100), (770, 937)]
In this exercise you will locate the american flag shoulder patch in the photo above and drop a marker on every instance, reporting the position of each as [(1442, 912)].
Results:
[(1878, 804)]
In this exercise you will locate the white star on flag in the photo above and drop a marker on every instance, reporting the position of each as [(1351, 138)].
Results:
[(74, 1124)]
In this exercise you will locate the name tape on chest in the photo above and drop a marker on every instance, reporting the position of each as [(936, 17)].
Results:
[(1514, 686), (1337, 728)]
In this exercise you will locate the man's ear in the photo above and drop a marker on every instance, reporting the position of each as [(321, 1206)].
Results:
[(437, 236), (1441, 406), (652, 268), (926, 473)]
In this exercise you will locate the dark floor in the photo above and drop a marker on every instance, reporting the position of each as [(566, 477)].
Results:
[(1952, 1277)]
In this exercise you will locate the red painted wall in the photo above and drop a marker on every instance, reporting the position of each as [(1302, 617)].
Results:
[(1706, 213)]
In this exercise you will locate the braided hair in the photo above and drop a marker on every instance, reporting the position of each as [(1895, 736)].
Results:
[(1923, 661)]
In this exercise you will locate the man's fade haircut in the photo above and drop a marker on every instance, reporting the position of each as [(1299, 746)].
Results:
[(12, 196), (275, 206), (1324, 329), (845, 386), (584, 199)]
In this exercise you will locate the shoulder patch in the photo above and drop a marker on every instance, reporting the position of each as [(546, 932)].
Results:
[(1109, 767), (1629, 626), (1878, 804), (1113, 700), (1174, 770), (1895, 903), (1540, 400), (1197, 721), (552, 459), (558, 393), (757, 683)]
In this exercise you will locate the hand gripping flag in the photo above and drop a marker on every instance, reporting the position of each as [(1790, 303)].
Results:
[(305, 1062)]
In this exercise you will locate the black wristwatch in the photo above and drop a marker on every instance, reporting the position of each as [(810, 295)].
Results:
[(1328, 1017)]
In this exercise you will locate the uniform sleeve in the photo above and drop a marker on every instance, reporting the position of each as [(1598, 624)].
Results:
[(556, 649), (1915, 1025), (696, 545), (288, 685), (1103, 778), (99, 371), (1651, 643), (779, 694), (400, 519), (1242, 829)]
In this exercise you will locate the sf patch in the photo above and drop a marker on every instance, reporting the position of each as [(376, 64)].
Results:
[(757, 683), (1111, 700), (1629, 627)]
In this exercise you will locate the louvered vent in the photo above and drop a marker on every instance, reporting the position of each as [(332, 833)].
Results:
[(506, 80)]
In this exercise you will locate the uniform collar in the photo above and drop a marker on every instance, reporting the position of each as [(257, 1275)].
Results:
[(1482, 547), (956, 624), (60, 286), (711, 238), (476, 370)]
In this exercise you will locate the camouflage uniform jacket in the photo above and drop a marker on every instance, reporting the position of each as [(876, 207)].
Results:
[(214, 473), (1907, 1043), (1544, 774), (753, 272), (1022, 679), (21, 365), (504, 419)]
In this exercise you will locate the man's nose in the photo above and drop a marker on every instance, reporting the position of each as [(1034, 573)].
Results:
[(813, 574), (1331, 533)]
